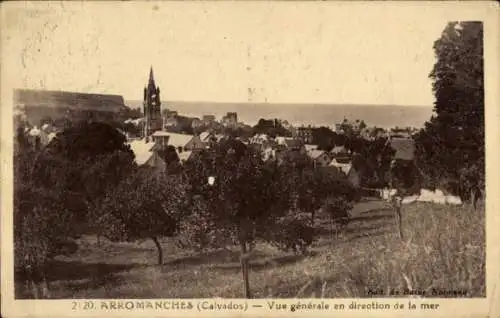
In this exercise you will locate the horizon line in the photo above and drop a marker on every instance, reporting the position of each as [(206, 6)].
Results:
[(282, 103), (225, 102)]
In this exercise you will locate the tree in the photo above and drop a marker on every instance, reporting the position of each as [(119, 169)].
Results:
[(83, 162), (313, 188), (362, 125), (43, 224), (453, 140), (324, 138), (143, 206), (57, 189), (337, 207), (373, 160), (247, 198)]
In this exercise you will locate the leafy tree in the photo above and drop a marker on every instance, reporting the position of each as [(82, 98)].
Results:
[(313, 188), (171, 158), (271, 127), (324, 138), (294, 161), (362, 125), (247, 198), (83, 162), (339, 139), (452, 142), (291, 232), (143, 206), (337, 207), (373, 161), (43, 225)]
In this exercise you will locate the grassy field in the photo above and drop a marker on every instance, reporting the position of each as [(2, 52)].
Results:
[(443, 256)]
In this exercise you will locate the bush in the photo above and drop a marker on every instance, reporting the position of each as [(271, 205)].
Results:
[(292, 233)]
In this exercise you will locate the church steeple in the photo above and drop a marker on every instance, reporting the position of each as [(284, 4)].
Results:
[(152, 106)]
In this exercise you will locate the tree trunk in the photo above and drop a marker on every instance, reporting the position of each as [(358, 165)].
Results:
[(45, 288), (331, 227), (160, 250), (473, 198), (244, 269), (399, 216)]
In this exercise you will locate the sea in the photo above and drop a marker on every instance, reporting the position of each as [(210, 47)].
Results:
[(385, 116)]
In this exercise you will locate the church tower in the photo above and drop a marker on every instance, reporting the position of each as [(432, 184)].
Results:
[(151, 106)]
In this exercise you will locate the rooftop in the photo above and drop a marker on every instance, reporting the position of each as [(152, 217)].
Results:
[(176, 140), (141, 150), (314, 154)]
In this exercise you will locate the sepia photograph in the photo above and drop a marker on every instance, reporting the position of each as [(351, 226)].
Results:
[(250, 150)]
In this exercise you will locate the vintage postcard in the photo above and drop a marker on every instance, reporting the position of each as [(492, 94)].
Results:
[(251, 158)]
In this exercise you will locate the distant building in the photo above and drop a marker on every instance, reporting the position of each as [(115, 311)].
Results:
[(170, 123), (196, 124), (151, 107), (338, 128), (305, 133), (286, 124), (208, 119), (232, 116), (295, 144), (230, 120), (171, 113)]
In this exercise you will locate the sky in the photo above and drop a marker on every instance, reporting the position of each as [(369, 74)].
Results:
[(282, 52)]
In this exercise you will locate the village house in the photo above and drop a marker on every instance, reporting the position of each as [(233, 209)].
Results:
[(171, 123), (345, 166), (260, 141), (305, 133), (230, 120), (340, 151), (268, 154), (196, 123), (310, 147), (39, 137), (295, 144), (320, 158), (208, 119), (291, 152), (147, 150), (279, 140), (206, 137), (181, 142), (142, 150)]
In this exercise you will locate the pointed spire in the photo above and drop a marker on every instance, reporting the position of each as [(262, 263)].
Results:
[(151, 76)]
